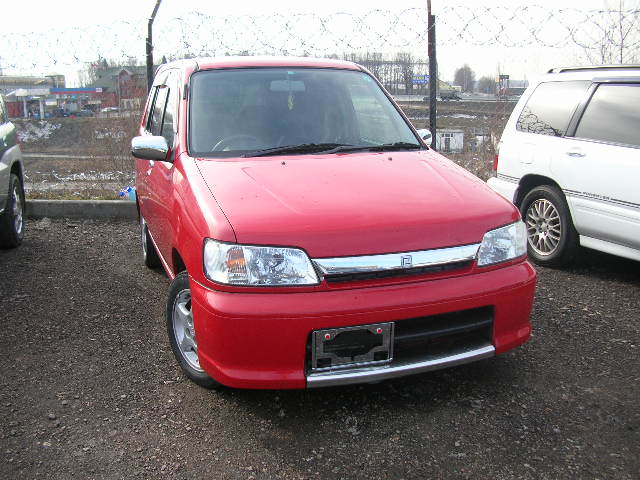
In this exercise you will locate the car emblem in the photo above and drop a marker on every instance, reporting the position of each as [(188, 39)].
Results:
[(406, 261)]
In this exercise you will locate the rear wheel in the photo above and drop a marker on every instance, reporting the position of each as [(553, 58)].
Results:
[(552, 239), (182, 333), (12, 219)]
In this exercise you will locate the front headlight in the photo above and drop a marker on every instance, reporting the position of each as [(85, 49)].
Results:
[(235, 264), (503, 244)]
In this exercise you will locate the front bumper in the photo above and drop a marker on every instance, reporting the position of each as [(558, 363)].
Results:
[(260, 340)]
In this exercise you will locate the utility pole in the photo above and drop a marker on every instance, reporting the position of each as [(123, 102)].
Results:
[(433, 74), (150, 45)]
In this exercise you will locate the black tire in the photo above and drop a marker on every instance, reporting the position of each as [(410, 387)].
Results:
[(149, 254), (12, 219), (552, 240), (180, 291)]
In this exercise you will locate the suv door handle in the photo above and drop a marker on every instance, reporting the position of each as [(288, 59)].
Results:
[(575, 153)]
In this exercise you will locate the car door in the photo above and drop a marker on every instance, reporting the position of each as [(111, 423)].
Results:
[(147, 197), (160, 174), (599, 168), (539, 131)]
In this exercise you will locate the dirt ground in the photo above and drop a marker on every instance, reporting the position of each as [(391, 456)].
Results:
[(89, 388)]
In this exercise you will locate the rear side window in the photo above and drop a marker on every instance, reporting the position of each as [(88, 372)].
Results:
[(550, 108), (613, 115)]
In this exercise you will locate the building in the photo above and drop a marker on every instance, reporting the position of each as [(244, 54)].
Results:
[(24, 94), (9, 83), (29, 95), (127, 83), (450, 140)]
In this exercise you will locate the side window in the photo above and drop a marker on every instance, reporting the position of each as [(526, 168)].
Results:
[(550, 107), (149, 107), (613, 115), (157, 110), (170, 118)]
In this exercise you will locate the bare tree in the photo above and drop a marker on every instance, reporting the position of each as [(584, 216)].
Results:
[(465, 78), (405, 63), (487, 85), (615, 37)]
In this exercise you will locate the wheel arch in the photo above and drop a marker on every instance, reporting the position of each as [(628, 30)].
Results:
[(177, 263), (529, 182), (16, 168)]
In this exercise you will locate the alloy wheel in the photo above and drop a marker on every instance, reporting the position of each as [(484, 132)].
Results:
[(184, 331), (544, 227), (16, 199)]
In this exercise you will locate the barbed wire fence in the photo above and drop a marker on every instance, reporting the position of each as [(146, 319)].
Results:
[(392, 43), (598, 36)]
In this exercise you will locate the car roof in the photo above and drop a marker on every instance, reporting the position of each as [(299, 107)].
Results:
[(211, 63), (587, 68), (591, 73)]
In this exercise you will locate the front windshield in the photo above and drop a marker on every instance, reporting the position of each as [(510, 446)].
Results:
[(238, 111)]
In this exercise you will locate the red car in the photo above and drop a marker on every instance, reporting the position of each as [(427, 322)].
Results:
[(311, 237)]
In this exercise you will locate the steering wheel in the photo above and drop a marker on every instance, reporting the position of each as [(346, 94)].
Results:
[(228, 142)]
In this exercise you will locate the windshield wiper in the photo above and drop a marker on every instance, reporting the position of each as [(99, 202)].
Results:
[(385, 147), (332, 148), (301, 148)]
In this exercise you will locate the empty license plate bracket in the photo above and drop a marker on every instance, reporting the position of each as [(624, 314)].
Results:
[(349, 347)]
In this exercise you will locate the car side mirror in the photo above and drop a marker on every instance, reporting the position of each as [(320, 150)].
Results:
[(425, 134), (149, 147)]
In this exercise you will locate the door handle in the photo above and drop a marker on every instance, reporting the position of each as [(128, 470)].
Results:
[(151, 163), (575, 154)]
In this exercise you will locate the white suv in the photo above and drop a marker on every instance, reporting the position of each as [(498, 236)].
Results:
[(569, 158)]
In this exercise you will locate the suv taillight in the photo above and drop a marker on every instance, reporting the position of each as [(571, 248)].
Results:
[(495, 163)]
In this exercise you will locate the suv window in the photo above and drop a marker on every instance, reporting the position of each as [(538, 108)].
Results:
[(612, 115), (550, 107)]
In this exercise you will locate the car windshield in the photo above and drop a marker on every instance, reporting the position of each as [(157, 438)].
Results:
[(246, 111)]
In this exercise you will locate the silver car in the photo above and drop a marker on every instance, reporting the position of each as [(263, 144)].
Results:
[(11, 184)]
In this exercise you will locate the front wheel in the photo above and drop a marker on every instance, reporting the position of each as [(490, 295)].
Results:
[(12, 219), (552, 239), (182, 333)]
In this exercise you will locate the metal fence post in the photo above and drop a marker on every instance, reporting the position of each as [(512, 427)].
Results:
[(149, 43), (433, 75)]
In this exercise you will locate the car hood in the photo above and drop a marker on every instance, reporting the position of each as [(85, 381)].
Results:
[(356, 203)]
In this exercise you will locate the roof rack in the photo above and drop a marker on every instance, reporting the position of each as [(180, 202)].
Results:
[(593, 67)]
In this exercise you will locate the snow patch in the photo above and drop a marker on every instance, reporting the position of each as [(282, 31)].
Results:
[(32, 132), (107, 133)]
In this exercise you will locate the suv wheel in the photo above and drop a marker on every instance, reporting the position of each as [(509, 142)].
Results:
[(551, 237), (182, 333), (12, 219), (149, 255)]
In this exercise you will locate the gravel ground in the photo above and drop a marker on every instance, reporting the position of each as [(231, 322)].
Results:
[(89, 387)]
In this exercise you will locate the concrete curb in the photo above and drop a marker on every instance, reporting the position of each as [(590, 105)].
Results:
[(87, 209)]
